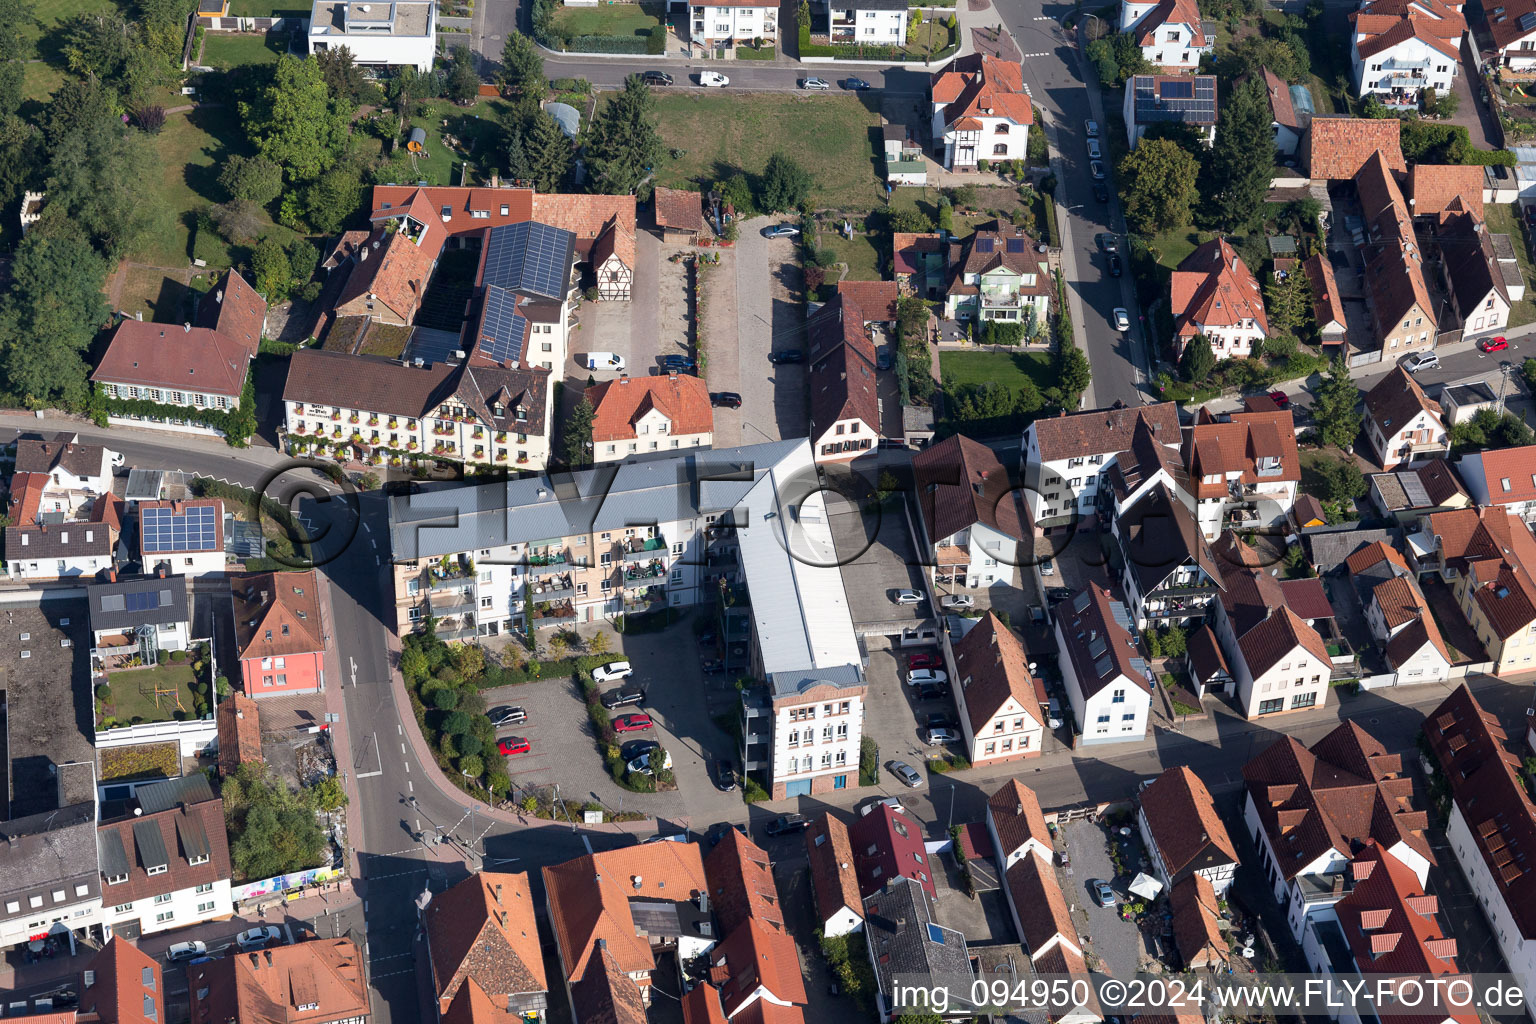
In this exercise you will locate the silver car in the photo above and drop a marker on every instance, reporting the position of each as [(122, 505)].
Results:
[(935, 736), (1094, 152), (905, 772), (908, 597), (259, 937), (815, 83)]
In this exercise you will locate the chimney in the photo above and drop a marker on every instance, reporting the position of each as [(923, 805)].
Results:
[(1018, 808), (112, 575), (495, 179), (161, 570), (218, 296), (264, 594), (186, 328), (362, 255), (636, 881), (269, 957)]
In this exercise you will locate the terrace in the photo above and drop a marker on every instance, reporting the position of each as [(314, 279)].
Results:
[(637, 549), (552, 613), (648, 571)]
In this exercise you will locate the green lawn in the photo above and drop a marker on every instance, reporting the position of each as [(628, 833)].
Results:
[(478, 140), (607, 20), (133, 692), (1173, 246), (40, 80), (55, 12), (231, 49), (267, 9), (1007, 368), (1501, 220), (859, 253), (754, 53), (715, 135)]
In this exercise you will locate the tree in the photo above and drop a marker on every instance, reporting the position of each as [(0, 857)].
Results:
[(50, 316), (20, 145), (403, 90), (463, 82), (238, 220), (786, 185), (272, 829), (413, 664), (1285, 59), (548, 151), (98, 171), (1239, 181), (911, 221), (1073, 373), (1334, 406), (1339, 480), (253, 178), (1288, 302), (578, 435), (343, 78), (736, 193), (328, 794), (1489, 430), (598, 644), (294, 122), (165, 24), (622, 144), (1159, 186), (331, 199), (522, 67), (1198, 359), (518, 166), (274, 274)]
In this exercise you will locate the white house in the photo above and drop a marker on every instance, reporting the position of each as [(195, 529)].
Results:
[(904, 160), (1290, 111), (972, 520), (1404, 424), (1169, 32), (1169, 573), (719, 23), (1181, 829), (879, 22), (1189, 100), (1017, 826), (1067, 458), (1244, 468), (1363, 794), (1472, 268), (185, 537), (1512, 24), (75, 472), (1101, 665), (393, 34), (142, 616), (980, 111), (998, 696), (1215, 294), (1492, 824), (57, 552), (1505, 477), (1399, 617), (834, 884), (638, 416), (843, 399), (1399, 49), (48, 878)]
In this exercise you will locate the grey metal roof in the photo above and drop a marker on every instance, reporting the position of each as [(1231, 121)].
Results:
[(457, 519), (143, 485), (1182, 99), (114, 858), (151, 845), (194, 838), (162, 796), (1301, 99), (136, 602), (566, 116), (794, 683)]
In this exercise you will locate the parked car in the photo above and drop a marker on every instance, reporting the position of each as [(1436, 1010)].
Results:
[(186, 951), (725, 399), (1281, 399), (1094, 152), (957, 601), (713, 80), (855, 84), (1498, 344), (637, 722), (1103, 895), (719, 832), (1101, 191), (1047, 567), (507, 716), (788, 824), (605, 361), (780, 231), (935, 736), (815, 83), (675, 363), (1055, 594), (1422, 361), (885, 358), (894, 803), (642, 765), (905, 772), (623, 697), (926, 675), (637, 748), (786, 355), (924, 661), (611, 671), (656, 78), (725, 776), (1116, 268), (514, 745), (1091, 129), (940, 720), (259, 937), (1108, 242), (1122, 319), (1097, 170), (907, 597), (931, 691)]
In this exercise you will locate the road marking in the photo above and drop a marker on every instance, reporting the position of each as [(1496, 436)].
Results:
[(410, 785), (1043, 53), (407, 767), (368, 775), (402, 747), (365, 528), (399, 729)]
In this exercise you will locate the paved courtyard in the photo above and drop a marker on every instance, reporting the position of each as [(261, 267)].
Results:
[(1117, 944), (766, 298)]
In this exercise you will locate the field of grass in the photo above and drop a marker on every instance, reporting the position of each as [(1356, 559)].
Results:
[(267, 9), (754, 53), (716, 135), (153, 294), (1173, 246), (133, 692), (1007, 368), (859, 252), (40, 80), (230, 49), (607, 20), (54, 13), (1501, 220)]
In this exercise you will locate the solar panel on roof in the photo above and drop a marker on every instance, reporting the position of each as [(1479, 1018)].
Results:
[(112, 603), (1102, 666), (195, 529), (1527, 22), (138, 602), (530, 257), (1080, 601), (983, 245), (1178, 90), (1015, 245), (501, 327)]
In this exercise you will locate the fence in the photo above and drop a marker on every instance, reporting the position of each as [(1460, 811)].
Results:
[(193, 737)]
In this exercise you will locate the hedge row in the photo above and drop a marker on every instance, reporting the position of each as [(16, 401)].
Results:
[(653, 42), (535, 671)]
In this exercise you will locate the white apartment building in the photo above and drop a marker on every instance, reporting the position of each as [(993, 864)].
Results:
[(980, 111), (719, 23), (1067, 458), (1102, 667), (1400, 49), (1505, 477), (58, 551), (1404, 424), (1244, 468), (999, 700), (972, 521), (391, 34), (74, 470), (877, 22), (646, 416)]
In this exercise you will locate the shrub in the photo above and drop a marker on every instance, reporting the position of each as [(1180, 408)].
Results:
[(752, 791), (178, 656), (104, 692), (445, 698), (983, 165)]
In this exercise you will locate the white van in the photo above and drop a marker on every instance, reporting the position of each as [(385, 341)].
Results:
[(605, 361)]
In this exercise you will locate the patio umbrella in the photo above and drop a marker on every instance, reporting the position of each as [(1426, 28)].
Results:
[(1145, 886)]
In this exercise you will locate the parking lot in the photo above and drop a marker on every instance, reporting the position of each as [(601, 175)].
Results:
[(876, 552), (1118, 944), (760, 287)]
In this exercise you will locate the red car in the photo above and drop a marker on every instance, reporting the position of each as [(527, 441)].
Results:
[(1281, 399), (632, 723), (1493, 344), (514, 745), (915, 661)]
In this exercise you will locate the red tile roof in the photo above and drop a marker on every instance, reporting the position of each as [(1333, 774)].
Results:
[(192, 360), (1327, 306), (1509, 26), (979, 85), (1518, 466), (1205, 656), (618, 405), (907, 249), (1432, 187), (1394, 265), (960, 483), (203, 820), (993, 668), (1103, 431), (1236, 446), (1399, 601), (234, 309), (1307, 598), (1171, 12), (752, 955), (832, 876), (1281, 109), (702, 1005), (741, 884), (1383, 24), (1096, 619), (679, 210), (27, 497), (1040, 905), (472, 1006), (841, 376), (605, 993), (239, 733), (1337, 147), (394, 269), (1192, 902), (1391, 923), (602, 224), (276, 613), (460, 202), (1411, 640), (1017, 818), (888, 844), (483, 928), (1184, 824), (1373, 554), (875, 299), (119, 991), (1278, 637), (1496, 550)]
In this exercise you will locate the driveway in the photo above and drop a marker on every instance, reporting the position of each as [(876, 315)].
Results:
[(633, 329), (1117, 943), (769, 317)]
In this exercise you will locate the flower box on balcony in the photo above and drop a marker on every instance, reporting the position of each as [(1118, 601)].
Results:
[(522, 459), (373, 421), (501, 456), (298, 408), (410, 446), (501, 436), (478, 434), (299, 429), (393, 423), (353, 418), (410, 424), (357, 438), (335, 416)]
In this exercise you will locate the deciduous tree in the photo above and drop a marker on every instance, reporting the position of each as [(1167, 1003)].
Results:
[(342, 76), (53, 311), (463, 83), (254, 178), (1158, 182), (293, 121)]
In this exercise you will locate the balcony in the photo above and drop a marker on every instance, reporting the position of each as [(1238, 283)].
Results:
[(547, 563), (644, 599), (638, 550), (756, 731), (450, 568), (557, 587), (451, 602), (1241, 517), (1000, 299), (654, 569), (553, 613)]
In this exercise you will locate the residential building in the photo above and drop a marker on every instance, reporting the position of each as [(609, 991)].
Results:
[(1215, 294), (279, 634), (834, 883), (1433, 190), (628, 904), (1196, 912), (918, 263), (1512, 27), (1279, 662), (1408, 495), (905, 163), (318, 981), (813, 720), (121, 984), (1327, 304), (1480, 301), (482, 933), (972, 519), (1000, 274), (182, 537), (73, 475), (1336, 147), (980, 111), (1308, 811), (372, 409), (1290, 111), (1464, 400), (1402, 313), (716, 23), (905, 941), (998, 694), (138, 617), (887, 845), (1492, 826), (1329, 549), (1040, 915), (755, 966), (679, 214), (874, 22), (843, 400), (1066, 458), (1504, 478), (1486, 555), (1398, 615), (1188, 100), (398, 34), (640, 416), (1205, 663), (165, 859), (1244, 469), (1183, 833), (48, 878), (605, 993), (1169, 574), (1402, 47), (1403, 424), (1169, 32), (1017, 826), (64, 550), (391, 267), (1105, 676), (239, 733)]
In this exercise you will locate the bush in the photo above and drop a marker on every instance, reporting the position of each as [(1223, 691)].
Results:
[(752, 791), (869, 761), (104, 692), (609, 44), (656, 41)]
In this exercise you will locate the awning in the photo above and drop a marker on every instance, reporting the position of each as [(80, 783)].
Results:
[(1145, 886)]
